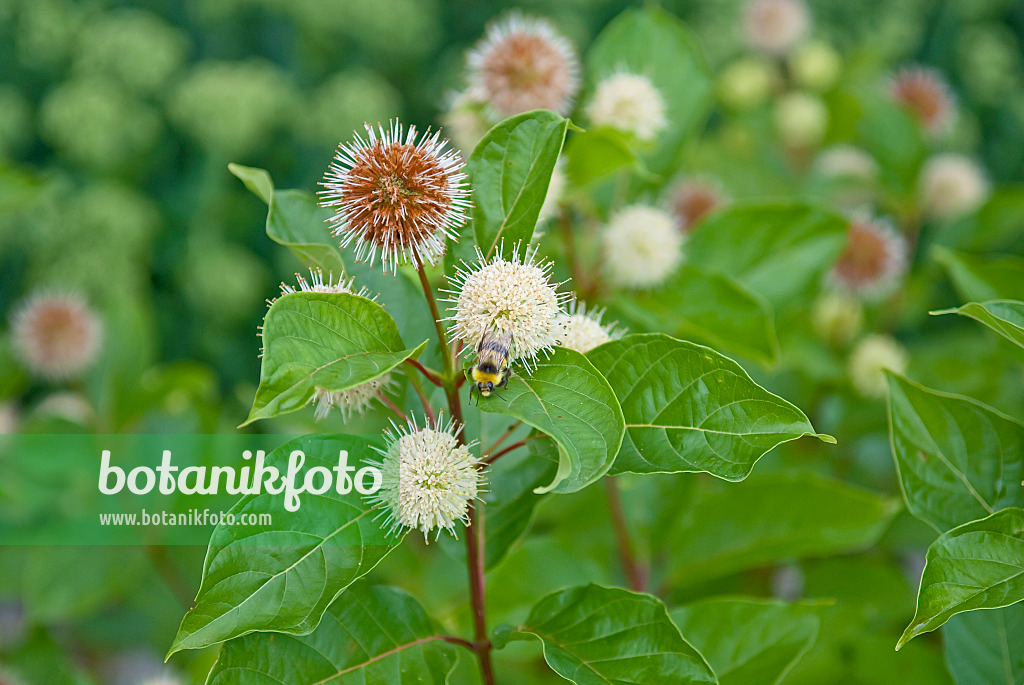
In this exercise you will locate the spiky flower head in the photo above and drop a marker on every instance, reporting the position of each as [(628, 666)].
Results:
[(874, 261), (691, 199), (927, 95), (396, 195), (641, 247), (428, 480), (869, 360), (582, 330), (629, 103), (508, 295), (56, 335), (523, 63), (775, 26), (951, 185), (357, 399)]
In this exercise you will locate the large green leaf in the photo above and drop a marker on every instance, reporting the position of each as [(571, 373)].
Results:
[(328, 340), (986, 646), (373, 636), (979, 279), (510, 497), (594, 154), (294, 220), (778, 250), (688, 408), (567, 398), (711, 307), (735, 527), (594, 635), (282, 577), (510, 170), (958, 460), (748, 641), (657, 45), (1005, 317), (979, 565)]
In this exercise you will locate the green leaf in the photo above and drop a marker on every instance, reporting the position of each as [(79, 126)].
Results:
[(998, 225), (979, 565), (893, 137), (329, 340), (986, 646), (735, 527), (594, 635), (594, 154), (1005, 317), (979, 279), (567, 398), (688, 408), (658, 45), (510, 170), (295, 220), (375, 635), (957, 459), (282, 577), (748, 641), (510, 497), (778, 250), (711, 307)]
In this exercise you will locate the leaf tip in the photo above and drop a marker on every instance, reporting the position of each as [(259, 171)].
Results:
[(826, 438)]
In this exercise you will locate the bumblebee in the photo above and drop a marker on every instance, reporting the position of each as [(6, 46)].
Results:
[(492, 369)]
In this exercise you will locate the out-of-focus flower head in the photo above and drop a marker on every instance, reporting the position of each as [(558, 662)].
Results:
[(775, 26), (801, 119), (869, 361), (629, 103), (874, 261), (56, 335), (346, 100), (641, 247), (232, 107), (523, 63), (927, 95), (952, 185), (396, 195), (692, 199)]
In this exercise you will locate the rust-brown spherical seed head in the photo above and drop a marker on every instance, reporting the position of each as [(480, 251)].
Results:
[(874, 261), (693, 199), (927, 95), (396, 195), (523, 63)]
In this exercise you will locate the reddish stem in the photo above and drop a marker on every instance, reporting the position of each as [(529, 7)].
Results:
[(427, 373), (391, 405), (514, 446), (633, 571)]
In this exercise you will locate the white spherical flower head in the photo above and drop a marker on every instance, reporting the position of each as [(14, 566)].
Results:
[(465, 119), (641, 247), (952, 185), (869, 360), (318, 283), (56, 335), (582, 330), (775, 26), (162, 680), (513, 295), (629, 103), (874, 261), (523, 63), (429, 480), (396, 195)]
